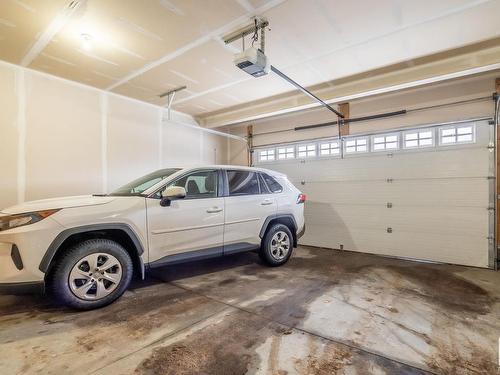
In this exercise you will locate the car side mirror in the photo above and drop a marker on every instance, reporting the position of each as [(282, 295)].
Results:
[(172, 193)]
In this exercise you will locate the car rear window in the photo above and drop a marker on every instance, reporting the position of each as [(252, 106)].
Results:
[(243, 182), (272, 184)]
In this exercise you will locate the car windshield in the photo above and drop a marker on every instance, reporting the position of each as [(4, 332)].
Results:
[(137, 187)]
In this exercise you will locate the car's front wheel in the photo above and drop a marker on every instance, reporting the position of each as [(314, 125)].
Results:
[(91, 274), (277, 245)]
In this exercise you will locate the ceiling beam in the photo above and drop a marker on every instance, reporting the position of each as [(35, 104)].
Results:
[(54, 27), (350, 97), (337, 50), (198, 42), (247, 5)]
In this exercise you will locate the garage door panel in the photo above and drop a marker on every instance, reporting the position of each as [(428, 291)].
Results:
[(471, 192), (431, 247), (449, 221), (293, 169), (439, 200), (463, 192), (449, 163)]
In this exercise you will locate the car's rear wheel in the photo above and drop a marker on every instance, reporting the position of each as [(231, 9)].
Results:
[(91, 274), (277, 245)]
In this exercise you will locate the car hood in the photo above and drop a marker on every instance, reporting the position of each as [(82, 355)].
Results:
[(54, 203)]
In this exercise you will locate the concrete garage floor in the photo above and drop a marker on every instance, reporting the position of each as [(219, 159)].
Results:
[(325, 312)]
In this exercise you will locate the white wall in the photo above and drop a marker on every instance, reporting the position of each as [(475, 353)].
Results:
[(8, 137), (63, 136), (451, 91), (60, 138)]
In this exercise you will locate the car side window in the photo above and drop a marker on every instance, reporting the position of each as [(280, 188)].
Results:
[(198, 184), (272, 184), (243, 183)]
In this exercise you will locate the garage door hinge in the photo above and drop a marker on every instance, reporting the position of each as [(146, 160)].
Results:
[(389, 205), (389, 230), (491, 147), (490, 177), (389, 180)]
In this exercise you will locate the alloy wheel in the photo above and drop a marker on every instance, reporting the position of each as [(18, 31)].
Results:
[(280, 245), (95, 276)]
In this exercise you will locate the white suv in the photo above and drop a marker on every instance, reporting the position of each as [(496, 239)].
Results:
[(84, 250)]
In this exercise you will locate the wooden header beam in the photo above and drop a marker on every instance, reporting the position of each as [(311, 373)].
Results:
[(343, 127), (249, 144)]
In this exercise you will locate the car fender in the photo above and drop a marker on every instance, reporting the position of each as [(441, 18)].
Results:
[(278, 216), (65, 234)]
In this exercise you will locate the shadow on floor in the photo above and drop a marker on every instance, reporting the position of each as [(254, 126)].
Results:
[(35, 304), (197, 268)]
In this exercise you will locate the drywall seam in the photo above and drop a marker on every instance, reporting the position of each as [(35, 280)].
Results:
[(307, 60), (21, 134), (198, 42), (103, 99), (201, 147), (109, 94), (50, 32), (87, 87), (160, 138)]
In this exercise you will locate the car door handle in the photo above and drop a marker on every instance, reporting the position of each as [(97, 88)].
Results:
[(266, 202), (213, 210)]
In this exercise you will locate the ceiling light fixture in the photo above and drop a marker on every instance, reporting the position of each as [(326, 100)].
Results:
[(87, 41)]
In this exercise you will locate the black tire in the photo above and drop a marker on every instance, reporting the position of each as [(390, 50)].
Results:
[(266, 252), (59, 277)]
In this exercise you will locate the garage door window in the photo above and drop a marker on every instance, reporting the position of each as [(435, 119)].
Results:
[(306, 151), (356, 145), (385, 142), (329, 148), (456, 134), (419, 138), (243, 183), (266, 155), (286, 153)]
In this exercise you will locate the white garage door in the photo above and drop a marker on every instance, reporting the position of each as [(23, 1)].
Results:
[(423, 193)]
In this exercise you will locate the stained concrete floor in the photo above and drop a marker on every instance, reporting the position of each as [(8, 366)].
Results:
[(325, 312)]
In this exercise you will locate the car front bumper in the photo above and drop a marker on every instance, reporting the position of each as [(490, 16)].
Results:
[(22, 250)]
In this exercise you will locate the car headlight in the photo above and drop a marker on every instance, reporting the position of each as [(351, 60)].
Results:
[(19, 220)]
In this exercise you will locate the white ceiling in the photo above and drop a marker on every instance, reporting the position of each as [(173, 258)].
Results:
[(144, 48)]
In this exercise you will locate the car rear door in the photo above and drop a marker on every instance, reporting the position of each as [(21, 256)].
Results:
[(247, 204)]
